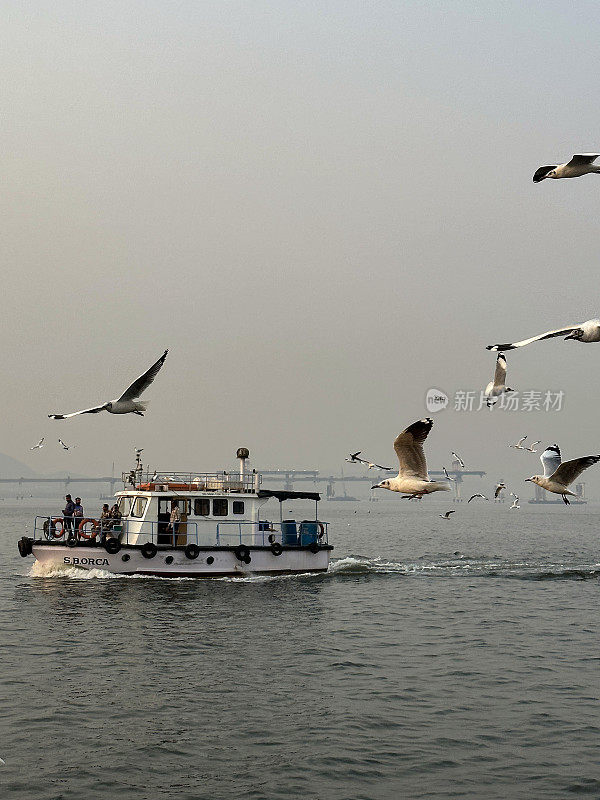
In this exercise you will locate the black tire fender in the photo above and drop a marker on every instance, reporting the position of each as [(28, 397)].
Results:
[(242, 553), (149, 550), (192, 551), (24, 546), (112, 545), (276, 548), (314, 547)]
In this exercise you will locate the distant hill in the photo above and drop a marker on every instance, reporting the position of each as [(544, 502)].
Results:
[(11, 468)]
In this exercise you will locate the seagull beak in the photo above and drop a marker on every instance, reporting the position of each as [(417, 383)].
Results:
[(377, 486), (528, 480)]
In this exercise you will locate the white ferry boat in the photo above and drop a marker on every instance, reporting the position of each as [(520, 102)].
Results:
[(221, 529)]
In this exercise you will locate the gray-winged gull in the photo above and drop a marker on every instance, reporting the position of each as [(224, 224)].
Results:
[(127, 403), (412, 478), (580, 332), (558, 474), (580, 164)]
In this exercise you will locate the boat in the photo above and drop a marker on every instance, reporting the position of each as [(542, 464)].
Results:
[(223, 530)]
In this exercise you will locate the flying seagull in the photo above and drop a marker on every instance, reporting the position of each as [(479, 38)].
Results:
[(473, 496), (448, 476), (127, 403), (581, 332), (519, 444), (353, 458), (515, 501), (65, 446), (532, 448), (558, 474), (498, 386), (377, 466), (39, 445), (580, 164), (459, 459), (498, 489), (412, 475), (447, 514)]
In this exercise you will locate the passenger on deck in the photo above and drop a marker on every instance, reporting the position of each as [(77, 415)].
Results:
[(68, 516), (105, 523), (115, 513), (175, 518), (77, 515)]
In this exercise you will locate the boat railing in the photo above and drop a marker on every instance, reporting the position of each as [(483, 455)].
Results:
[(263, 533), (228, 533), (167, 480)]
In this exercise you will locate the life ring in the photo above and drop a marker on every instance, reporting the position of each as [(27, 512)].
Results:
[(276, 548), (93, 533), (50, 531), (149, 550), (242, 553), (321, 530), (112, 545), (314, 547), (192, 551)]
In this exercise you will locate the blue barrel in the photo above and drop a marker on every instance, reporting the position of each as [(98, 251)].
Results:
[(308, 532), (289, 534)]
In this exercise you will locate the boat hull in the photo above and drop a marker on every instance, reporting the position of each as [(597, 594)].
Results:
[(211, 562)]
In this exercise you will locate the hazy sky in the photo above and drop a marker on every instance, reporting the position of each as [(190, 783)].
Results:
[(322, 209)]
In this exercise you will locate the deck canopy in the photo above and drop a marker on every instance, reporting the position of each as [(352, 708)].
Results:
[(283, 494)]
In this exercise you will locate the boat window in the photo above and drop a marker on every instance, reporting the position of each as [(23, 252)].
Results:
[(220, 507), (238, 506), (201, 507), (138, 507), (124, 505)]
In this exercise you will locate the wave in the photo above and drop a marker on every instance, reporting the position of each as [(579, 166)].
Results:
[(363, 565)]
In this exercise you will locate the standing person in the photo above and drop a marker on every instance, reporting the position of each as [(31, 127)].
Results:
[(174, 519), (68, 516), (105, 523), (77, 515)]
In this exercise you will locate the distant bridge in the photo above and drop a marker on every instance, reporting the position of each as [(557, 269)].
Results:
[(285, 476)]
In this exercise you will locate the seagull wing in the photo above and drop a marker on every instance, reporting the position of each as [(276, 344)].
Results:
[(379, 466), (409, 449), (582, 158), (500, 373), (569, 470), (550, 459), (94, 410), (547, 335), (459, 459), (520, 442), (143, 382)]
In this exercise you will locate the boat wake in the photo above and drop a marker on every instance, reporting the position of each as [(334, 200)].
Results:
[(354, 566)]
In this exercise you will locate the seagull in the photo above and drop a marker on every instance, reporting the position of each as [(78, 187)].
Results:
[(65, 446), (39, 445), (412, 466), (155, 476), (459, 459), (515, 501), (498, 386), (532, 448), (498, 489), (448, 476), (473, 496), (519, 444), (127, 403), (353, 458), (581, 332), (376, 466), (580, 164), (558, 474), (447, 514)]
